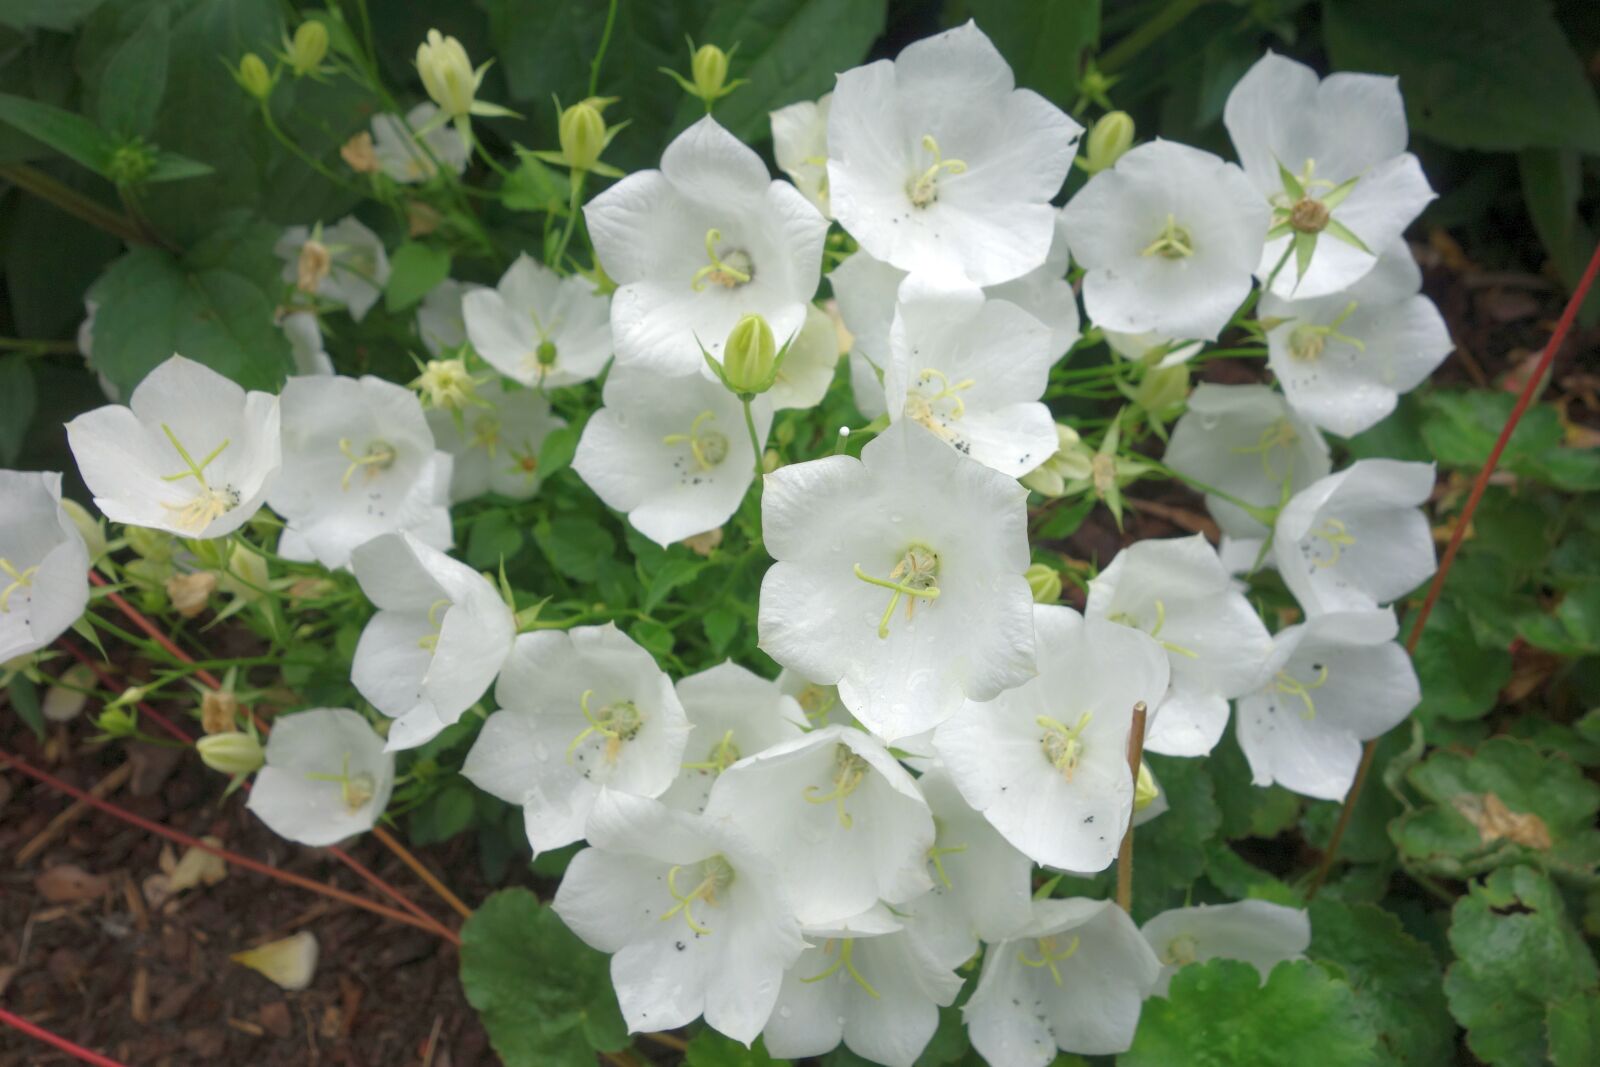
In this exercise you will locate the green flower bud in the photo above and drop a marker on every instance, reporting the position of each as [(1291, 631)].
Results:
[(231, 753), (583, 135), (308, 48), (1145, 789), (131, 162), (709, 65), (1045, 583), (750, 356), (253, 76), (1163, 390), (1111, 136), (156, 545)]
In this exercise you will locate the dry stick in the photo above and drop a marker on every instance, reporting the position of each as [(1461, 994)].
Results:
[(389, 841), (1457, 535), (50, 1038), (109, 784), (68, 199), (1125, 853), (340, 854), (231, 857)]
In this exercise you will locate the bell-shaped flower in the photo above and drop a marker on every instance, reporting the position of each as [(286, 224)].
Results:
[(808, 366), (441, 321), (44, 564), (673, 453), (1357, 539), (1344, 359), (1332, 682), (539, 328), (971, 371), (582, 710), (936, 161), (1330, 158), (1073, 980), (699, 244), (1260, 933), (439, 637), (1047, 763), (1169, 238), (800, 144), (400, 149), (358, 461), (192, 453), (899, 579), (304, 333), (841, 818), (982, 889), (344, 264), (327, 777), (865, 981), (495, 441), (1177, 591), (820, 704), (734, 713), (1245, 441), (697, 918)]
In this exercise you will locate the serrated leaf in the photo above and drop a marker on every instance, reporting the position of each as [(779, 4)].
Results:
[(673, 573), (1460, 678), (543, 995), (721, 626), (557, 450), (575, 546), (1169, 853), (493, 537), (711, 1049)]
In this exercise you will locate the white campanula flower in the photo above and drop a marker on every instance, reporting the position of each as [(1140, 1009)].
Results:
[(192, 453), (800, 144), (439, 637), (699, 244), (1330, 158), (441, 321), (1332, 682), (344, 264), (819, 703), (1169, 238), (327, 777), (539, 328), (899, 578), (400, 152), (971, 370), (936, 161), (807, 368), (1047, 763), (697, 918), (1260, 933), (1357, 539), (841, 818), (358, 461), (304, 333), (495, 441), (1246, 441), (44, 563), (867, 982), (673, 453), (582, 710), (1344, 359), (1177, 591), (982, 889), (1073, 980), (734, 713)]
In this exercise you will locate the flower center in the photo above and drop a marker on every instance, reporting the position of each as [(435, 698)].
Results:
[(446, 383), (526, 463), (817, 701), (708, 447), (485, 434), (208, 504), (436, 612), (723, 754), (1127, 619), (1278, 435), (915, 577), (1173, 242), (924, 188), (20, 579), (1309, 215), (379, 456), (355, 789), (849, 770), (845, 947), (1287, 683), (729, 268), (1051, 953), (1181, 951), (1307, 341), (716, 875), (937, 853), (933, 401), (618, 723), (1062, 744), (1336, 536)]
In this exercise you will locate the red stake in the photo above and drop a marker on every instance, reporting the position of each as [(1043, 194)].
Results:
[(49, 1038)]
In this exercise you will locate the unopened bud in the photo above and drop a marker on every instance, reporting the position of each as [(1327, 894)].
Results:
[(446, 384), (583, 135), (709, 66), (1163, 389), (190, 593), (1145, 790), (253, 76), (750, 356), (1044, 581), (309, 46), (231, 753), (1111, 136)]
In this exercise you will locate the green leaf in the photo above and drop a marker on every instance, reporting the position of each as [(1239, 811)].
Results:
[(1552, 181), (1505, 803), (1247, 809), (655, 638), (135, 80), (414, 269), (543, 995), (721, 626), (443, 815), (1218, 1014), (1516, 955), (17, 401), (1170, 852), (1574, 1026), (1475, 73), (1460, 679), (574, 545), (536, 187), (1045, 41), (68, 133), (1573, 628), (24, 697), (711, 1049), (557, 450), (45, 14), (674, 573), (171, 167), (494, 536), (1395, 979)]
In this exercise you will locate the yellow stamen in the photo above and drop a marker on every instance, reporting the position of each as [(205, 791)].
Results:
[(19, 580), (1049, 957), (1061, 743), (916, 576), (849, 771), (1173, 242), (709, 448), (1338, 537), (844, 962), (718, 875), (1288, 683), (924, 188), (380, 456), (729, 273), (618, 723), (356, 790)]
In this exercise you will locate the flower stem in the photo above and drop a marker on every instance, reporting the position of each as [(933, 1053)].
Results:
[(1125, 852), (755, 442)]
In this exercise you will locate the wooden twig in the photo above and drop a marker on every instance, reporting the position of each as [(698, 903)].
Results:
[(1125, 853)]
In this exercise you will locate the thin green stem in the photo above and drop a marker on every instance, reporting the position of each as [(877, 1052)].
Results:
[(600, 53), (572, 219), (755, 441), (301, 154), (1265, 516), (38, 348), (1167, 19)]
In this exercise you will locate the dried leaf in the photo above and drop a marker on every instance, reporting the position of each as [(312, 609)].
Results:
[(1496, 821), (68, 883)]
